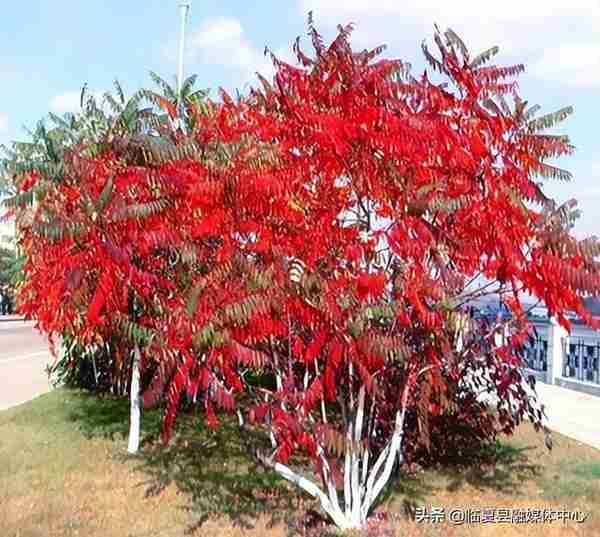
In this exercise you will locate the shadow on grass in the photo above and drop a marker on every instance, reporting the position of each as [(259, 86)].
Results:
[(218, 472), (500, 467), (412, 489), (106, 416), (215, 468)]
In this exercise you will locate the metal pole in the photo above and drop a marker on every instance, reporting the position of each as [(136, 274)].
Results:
[(184, 8)]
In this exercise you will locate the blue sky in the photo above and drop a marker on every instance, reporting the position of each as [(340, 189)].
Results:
[(50, 48)]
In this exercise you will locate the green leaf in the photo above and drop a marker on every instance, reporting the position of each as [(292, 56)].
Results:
[(453, 39), (105, 195), (549, 120), (552, 172), (193, 300), (484, 57)]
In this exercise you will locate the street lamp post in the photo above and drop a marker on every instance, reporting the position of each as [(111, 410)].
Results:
[(184, 8)]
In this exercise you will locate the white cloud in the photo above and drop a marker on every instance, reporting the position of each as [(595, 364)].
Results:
[(219, 32), (70, 101), (574, 64), (3, 122), (221, 41), (524, 30), (66, 102)]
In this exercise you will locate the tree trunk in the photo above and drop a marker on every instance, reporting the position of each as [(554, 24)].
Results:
[(362, 482), (135, 407)]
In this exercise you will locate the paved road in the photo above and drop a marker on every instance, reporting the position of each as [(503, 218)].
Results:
[(572, 413), (23, 358)]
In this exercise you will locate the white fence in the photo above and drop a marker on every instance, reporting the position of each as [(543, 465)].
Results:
[(568, 360)]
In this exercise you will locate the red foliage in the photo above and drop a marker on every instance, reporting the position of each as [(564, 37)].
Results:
[(356, 210), (412, 199)]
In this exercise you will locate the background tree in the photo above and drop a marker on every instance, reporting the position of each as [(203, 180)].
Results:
[(115, 246), (9, 266), (92, 195)]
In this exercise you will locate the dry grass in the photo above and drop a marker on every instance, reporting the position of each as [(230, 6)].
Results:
[(63, 472), (525, 476)]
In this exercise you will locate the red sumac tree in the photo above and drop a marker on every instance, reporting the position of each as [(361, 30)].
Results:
[(330, 230), (413, 198)]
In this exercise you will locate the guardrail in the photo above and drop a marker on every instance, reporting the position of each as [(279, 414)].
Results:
[(570, 361), (581, 359), (536, 354)]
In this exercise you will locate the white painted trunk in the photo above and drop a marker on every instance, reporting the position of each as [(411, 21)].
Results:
[(362, 484), (354, 503), (135, 407)]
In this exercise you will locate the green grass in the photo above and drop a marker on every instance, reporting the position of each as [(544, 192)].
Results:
[(590, 470), (573, 479), (64, 471), (68, 437)]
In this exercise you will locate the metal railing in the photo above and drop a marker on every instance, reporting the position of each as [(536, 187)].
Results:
[(536, 354), (581, 359)]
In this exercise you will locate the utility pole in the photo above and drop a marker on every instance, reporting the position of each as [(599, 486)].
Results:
[(184, 8)]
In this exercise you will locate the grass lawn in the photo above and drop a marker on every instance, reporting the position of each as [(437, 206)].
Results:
[(64, 471)]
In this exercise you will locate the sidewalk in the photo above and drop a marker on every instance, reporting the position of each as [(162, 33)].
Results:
[(11, 318), (571, 413)]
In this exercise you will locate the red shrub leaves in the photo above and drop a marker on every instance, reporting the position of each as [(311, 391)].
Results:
[(370, 285), (324, 234)]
